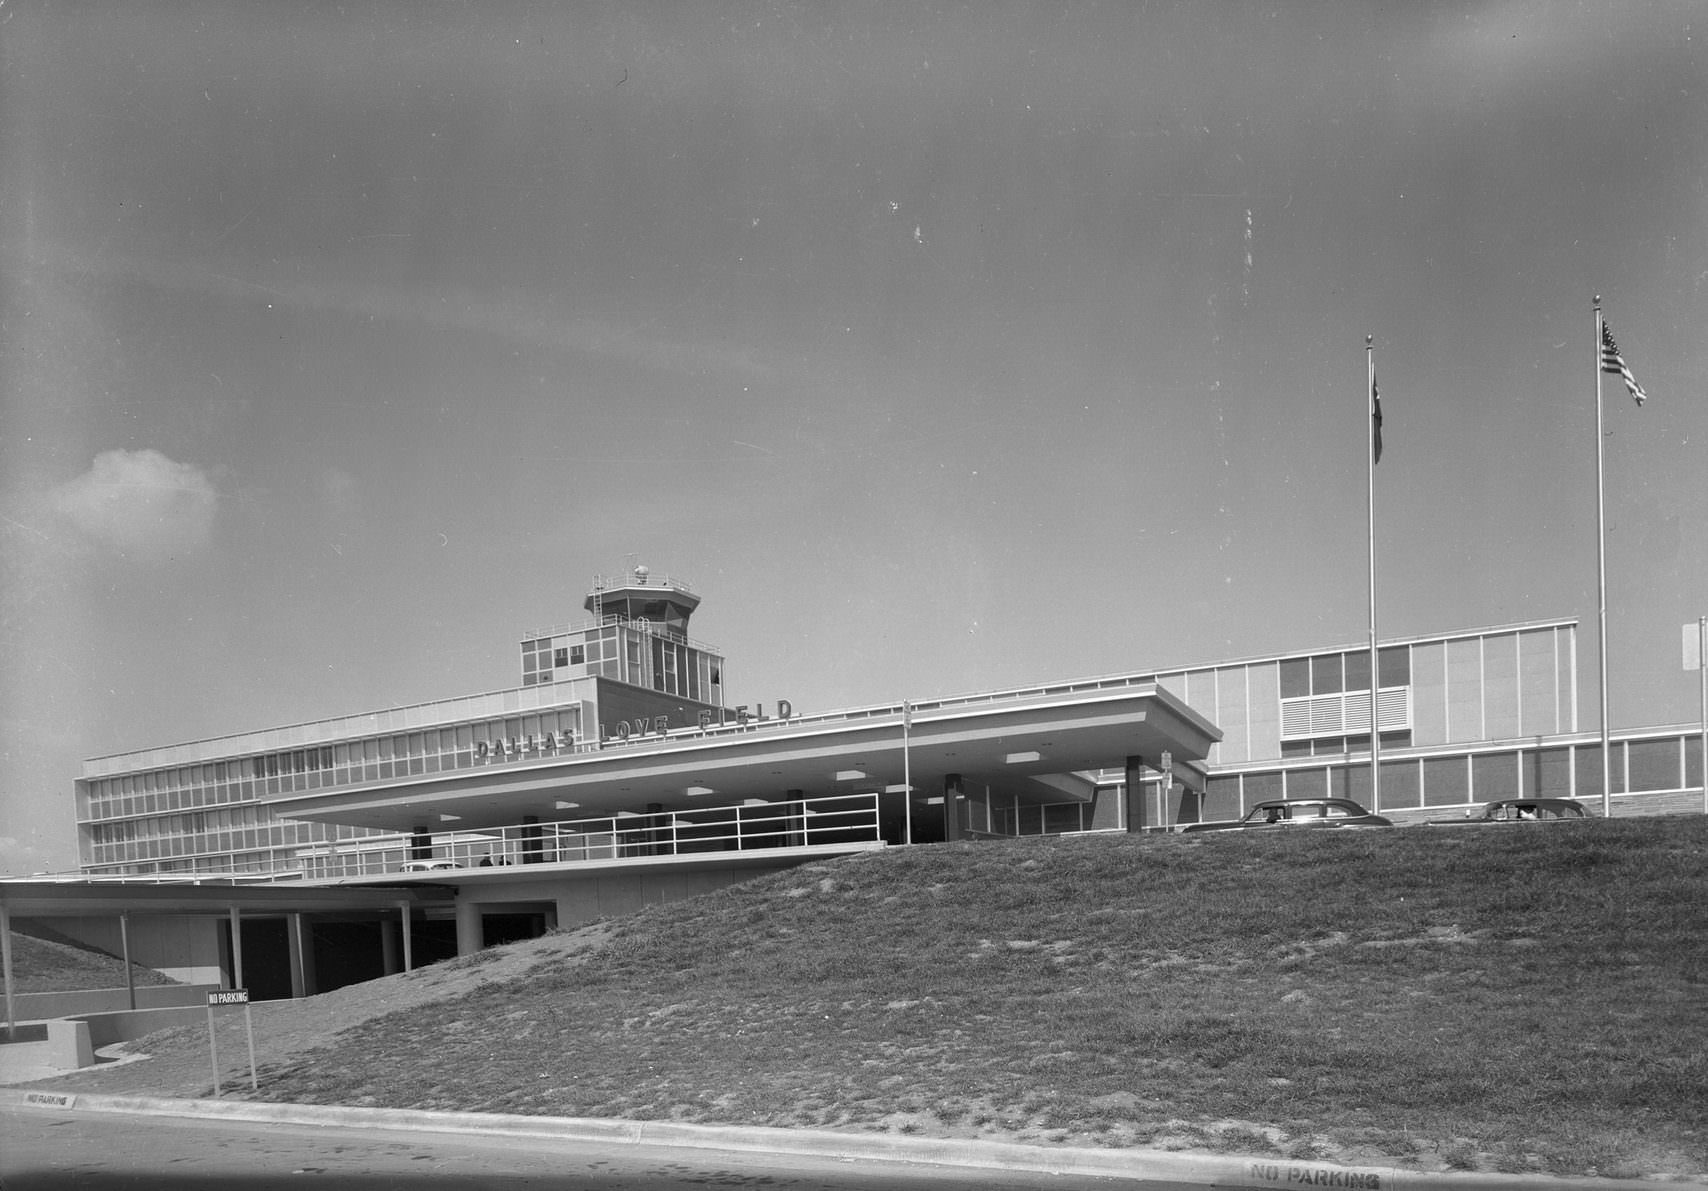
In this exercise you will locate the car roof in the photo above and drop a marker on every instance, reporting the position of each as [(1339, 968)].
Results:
[(1304, 802)]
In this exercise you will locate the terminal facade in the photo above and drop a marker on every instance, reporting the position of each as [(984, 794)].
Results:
[(617, 772), (1465, 717)]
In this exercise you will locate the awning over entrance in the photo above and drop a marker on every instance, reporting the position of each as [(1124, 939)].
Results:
[(1029, 741)]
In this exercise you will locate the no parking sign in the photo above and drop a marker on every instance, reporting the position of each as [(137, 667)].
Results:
[(231, 996)]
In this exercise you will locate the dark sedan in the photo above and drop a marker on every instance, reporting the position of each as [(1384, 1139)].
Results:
[(1522, 810), (1299, 812)]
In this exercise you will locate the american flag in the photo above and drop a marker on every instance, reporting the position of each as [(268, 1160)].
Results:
[(1376, 421), (1612, 361)]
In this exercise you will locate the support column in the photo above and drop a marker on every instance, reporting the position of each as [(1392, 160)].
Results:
[(6, 968), (124, 945), (1137, 818), (471, 935), (301, 938), (237, 948), (388, 946), (408, 939), (952, 806), (420, 844)]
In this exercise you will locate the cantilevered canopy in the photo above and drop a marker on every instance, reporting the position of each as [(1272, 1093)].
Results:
[(97, 898), (1027, 743)]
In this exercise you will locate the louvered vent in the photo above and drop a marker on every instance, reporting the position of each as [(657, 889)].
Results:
[(1344, 713)]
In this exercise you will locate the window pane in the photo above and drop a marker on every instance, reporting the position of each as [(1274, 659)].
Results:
[(1295, 677), (1494, 775), (1586, 760), (1221, 798), (1654, 764), (1326, 677), (1307, 783), (1396, 665), (1358, 671), (1444, 781), (1261, 787)]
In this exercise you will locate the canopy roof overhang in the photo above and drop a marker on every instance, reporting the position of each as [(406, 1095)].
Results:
[(85, 897), (1026, 743)]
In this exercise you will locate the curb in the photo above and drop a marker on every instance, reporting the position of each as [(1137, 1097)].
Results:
[(1130, 1164)]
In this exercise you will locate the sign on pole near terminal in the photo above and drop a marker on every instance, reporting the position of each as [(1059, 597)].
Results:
[(231, 996)]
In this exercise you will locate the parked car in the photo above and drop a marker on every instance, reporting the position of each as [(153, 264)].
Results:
[(1299, 812), (1521, 810), (428, 866)]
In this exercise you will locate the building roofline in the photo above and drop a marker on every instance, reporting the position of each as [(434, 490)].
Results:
[(1125, 677), (1570, 622)]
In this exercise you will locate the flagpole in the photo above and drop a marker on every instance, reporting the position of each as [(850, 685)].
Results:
[(1375, 667), (1601, 574)]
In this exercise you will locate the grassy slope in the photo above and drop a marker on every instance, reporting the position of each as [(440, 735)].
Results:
[(1440, 997), (45, 961)]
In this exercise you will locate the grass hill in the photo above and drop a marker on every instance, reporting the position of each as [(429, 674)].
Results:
[(43, 960), (1523, 998)]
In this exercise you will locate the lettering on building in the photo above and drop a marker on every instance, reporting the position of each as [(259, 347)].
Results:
[(511, 748), (704, 721)]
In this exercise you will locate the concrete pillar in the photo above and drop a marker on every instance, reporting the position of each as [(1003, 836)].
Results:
[(471, 935), (6, 967), (420, 844), (952, 806), (124, 945), (408, 939), (532, 846), (388, 945), (300, 936), (1137, 816), (236, 948)]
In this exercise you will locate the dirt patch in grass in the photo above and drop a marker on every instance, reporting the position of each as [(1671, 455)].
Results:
[(1437, 999)]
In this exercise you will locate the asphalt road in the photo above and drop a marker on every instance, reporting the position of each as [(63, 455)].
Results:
[(42, 1149)]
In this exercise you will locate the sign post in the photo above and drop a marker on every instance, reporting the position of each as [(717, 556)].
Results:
[(1164, 791), (231, 996)]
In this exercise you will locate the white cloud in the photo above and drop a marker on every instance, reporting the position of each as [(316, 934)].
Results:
[(140, 502)]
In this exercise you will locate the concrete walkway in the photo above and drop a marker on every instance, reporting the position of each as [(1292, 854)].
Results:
[(24, 1062)]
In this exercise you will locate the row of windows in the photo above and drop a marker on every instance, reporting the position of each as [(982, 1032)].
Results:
[(377, 758), (276, 835), (624, 654), (297, 761), (1328, 746), (172, 826), (134, 860), (1329, 673), (1413, 783)]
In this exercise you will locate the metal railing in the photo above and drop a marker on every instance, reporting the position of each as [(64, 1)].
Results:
[(809, 822)]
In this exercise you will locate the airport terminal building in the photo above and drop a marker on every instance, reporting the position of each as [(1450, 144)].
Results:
[(617, 772)]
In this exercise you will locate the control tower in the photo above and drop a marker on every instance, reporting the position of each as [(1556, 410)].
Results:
[(663, 605), (638, 634)]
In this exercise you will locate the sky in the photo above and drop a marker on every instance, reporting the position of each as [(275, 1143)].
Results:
[(939, 347)]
